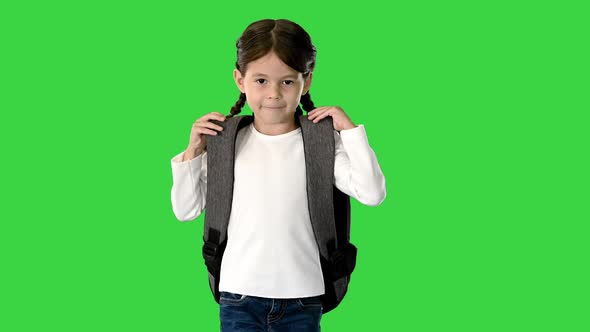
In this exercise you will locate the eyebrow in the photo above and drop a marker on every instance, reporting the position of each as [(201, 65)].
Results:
[(286, 76)]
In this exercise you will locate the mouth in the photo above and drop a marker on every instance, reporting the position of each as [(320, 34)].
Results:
[(275, 107)]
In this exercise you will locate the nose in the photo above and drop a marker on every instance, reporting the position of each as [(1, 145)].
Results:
[(274, 92)]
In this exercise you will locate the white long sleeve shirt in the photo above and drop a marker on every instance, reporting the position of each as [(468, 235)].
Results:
[(271, 250)]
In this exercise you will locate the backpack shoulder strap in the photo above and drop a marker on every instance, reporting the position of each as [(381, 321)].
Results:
[(318, 141), (329, 210), (220, 183)]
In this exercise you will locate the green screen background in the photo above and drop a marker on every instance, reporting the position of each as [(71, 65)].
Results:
[(477, 112)]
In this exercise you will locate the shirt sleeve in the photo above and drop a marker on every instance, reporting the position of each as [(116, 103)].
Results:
[(356, 170), (189, 187)]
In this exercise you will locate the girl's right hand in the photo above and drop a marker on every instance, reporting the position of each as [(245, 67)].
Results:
[(201, 128)]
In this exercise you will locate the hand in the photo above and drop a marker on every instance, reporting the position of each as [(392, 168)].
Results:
[(202, 127), (340, 120)]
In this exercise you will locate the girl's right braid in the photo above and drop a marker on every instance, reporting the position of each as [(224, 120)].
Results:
[(237, 108)]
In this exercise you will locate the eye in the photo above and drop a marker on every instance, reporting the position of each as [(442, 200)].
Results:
[(260, 79), (288, 82)]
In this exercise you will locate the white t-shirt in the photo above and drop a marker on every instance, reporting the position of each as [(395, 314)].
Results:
[(271, 250)]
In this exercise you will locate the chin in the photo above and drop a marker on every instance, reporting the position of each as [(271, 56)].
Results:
[(274, 112)]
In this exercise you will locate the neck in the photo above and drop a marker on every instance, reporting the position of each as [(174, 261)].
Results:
[(273, 129)]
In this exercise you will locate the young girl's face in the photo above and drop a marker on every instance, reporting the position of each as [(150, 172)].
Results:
[(273, 89)]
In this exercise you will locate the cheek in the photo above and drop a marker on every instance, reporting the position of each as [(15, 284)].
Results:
[(250, 94), (253, 91), (254, 101), (298, 90)]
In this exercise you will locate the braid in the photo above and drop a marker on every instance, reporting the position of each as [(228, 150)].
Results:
[(237, 108), (298, 111), (306, 102)]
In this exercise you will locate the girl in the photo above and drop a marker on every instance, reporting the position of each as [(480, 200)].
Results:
[(271, 278)]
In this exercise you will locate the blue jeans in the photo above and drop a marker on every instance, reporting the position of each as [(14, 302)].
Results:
[(258, 314)]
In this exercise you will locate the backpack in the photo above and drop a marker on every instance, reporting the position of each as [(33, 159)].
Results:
[(329, 208)]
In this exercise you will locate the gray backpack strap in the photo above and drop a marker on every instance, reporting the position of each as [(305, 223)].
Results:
[(329, 210), (220, 184), (318, 141)]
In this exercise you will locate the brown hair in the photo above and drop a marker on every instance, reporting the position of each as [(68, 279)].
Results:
[(288, 40)]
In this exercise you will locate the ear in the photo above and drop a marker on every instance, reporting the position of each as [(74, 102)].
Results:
[(239, 80), (307, 84)]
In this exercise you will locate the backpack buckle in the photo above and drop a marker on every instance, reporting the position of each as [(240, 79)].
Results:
[(343, 261), (210, 250)]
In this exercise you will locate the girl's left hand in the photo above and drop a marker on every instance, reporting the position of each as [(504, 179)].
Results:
[(339, 118)]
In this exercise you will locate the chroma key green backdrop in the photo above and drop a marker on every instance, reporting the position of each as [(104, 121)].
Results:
[(477, 112)]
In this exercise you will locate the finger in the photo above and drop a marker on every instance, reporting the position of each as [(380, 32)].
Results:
[(321, 109), (318, 115), (209, 125), (212, 125), (313, 113), (207, 131), (315, 110), (216, 116), (321, 116), (209, 117), (221, 117)]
